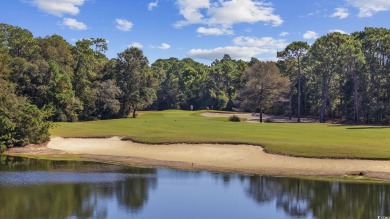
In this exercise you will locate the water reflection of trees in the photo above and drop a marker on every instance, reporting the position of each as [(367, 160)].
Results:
[(80, 200), (133, 192), (46, 201), (300, 198), (9, 163)]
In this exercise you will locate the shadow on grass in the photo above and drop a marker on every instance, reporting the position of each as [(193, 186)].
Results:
[(361, 127), (372, 127)]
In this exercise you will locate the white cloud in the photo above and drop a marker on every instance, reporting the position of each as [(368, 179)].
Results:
[(152, 5), (236, 52), (215, 31), (310, 35), (244, 48), (368, 8), (136, 44), (338, 30), (74, 24), (248, 30), (314, 13), (162, 46), (243, 11), (123, 25), (263, 42), (58, 7), (190, 9), (268, 59), (340, 13), (283, 34), (226, 13)]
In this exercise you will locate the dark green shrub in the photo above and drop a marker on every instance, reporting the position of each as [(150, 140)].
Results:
[(234, 118), (31, 126), (6, 133)]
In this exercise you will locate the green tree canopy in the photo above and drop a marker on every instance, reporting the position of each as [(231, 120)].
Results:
[(137, 82)]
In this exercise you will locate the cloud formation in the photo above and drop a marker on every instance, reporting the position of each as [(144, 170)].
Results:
[(224, 13), (340, 13), (367, 8), (244, 48), (59, 7), (162, 46), (123, 25), (136, 44), (310, 35), (215, 31), (236, 52), (152, 5), (283, 34), (74, 24), (263, 42)]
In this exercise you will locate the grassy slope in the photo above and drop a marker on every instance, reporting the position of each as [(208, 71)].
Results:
[(312, 140)]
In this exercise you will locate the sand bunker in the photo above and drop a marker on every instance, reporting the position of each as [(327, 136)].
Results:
[(241, 158)]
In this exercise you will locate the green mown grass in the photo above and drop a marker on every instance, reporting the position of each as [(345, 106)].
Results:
[(305, 139)]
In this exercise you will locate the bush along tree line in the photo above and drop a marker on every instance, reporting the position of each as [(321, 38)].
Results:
[(339, 76)]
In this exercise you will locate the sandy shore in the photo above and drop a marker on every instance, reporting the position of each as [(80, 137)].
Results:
[(214, 157), (234, 158)]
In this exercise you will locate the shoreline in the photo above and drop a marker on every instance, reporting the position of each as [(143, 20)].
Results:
[(237, 158)]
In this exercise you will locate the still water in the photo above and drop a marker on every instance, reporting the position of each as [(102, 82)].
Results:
[(61, 189)]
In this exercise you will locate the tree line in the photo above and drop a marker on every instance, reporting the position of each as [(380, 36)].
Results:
[(339, 77)]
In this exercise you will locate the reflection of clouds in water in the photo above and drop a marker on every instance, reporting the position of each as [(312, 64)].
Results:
[(44, 177)]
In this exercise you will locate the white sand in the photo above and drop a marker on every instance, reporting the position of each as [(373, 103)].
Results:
[(233, 157)]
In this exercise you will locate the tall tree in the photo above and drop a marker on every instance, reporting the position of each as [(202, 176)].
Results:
[(295, 52), (263, 87), (136, 81), (89, 61), (327, 55), (107, 103), (194, 84), (226, 75), (169, 94), (55, 48), (352, 67), (20, 42), (4, 58), (376, 82)]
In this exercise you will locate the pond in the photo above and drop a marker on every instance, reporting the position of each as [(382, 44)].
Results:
[(31, 188)]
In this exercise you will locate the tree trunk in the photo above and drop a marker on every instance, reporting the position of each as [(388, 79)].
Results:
[(355, 98), (291, 97), (261, 115), (299, 91), (123, 108), (305, 101), (324, 100), (134, 110)]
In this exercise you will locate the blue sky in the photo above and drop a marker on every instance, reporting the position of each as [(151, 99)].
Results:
[(200, 29)]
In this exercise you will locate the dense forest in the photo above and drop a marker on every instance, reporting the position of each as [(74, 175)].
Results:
[(339, 77)]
